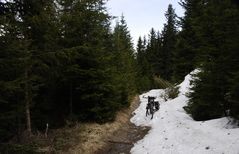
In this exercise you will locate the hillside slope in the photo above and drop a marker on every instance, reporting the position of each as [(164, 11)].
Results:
[(175, 132)]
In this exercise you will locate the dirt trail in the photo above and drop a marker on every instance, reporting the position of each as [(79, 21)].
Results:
[(122, 140)]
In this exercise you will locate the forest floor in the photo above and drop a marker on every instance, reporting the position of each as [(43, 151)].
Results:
[(92, 138)]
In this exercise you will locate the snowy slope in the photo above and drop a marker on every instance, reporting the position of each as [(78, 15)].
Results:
[(175, 132)]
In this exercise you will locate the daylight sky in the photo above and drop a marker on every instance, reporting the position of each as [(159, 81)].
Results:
[(142, 15)]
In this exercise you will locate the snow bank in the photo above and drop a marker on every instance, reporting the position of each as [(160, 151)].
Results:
[(185, 85), (175, 132)]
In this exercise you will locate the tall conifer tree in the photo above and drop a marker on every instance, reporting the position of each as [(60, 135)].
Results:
[(169, 43), (187, 55), (124, 60), (211, 97)]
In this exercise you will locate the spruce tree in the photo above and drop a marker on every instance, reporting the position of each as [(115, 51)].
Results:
[(86, 77), (11, 81), (168, 44), (152, 52), (211, 96), (187, 55), (144, 74), (24, 50), (124, 58)]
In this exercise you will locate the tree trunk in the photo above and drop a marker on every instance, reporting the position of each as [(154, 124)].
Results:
[(27, 102), (71, 101), (18, 127)]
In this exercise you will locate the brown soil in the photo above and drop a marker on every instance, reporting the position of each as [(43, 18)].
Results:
[(123, 140)]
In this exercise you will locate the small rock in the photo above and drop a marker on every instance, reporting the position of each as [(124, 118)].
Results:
[(228, 133), (207, 148), (166, 138)]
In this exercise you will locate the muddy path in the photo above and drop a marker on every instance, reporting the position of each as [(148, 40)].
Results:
[(124, 139)]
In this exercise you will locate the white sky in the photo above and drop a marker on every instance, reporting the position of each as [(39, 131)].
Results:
[(142, 15)]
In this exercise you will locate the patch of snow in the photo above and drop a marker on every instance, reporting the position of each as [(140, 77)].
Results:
[(185, 85), (173, 131)]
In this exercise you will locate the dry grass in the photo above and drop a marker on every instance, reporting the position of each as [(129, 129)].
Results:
[(162, 84), (87, 138)]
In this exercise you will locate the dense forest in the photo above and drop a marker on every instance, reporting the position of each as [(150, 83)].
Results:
[(61, 61)]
